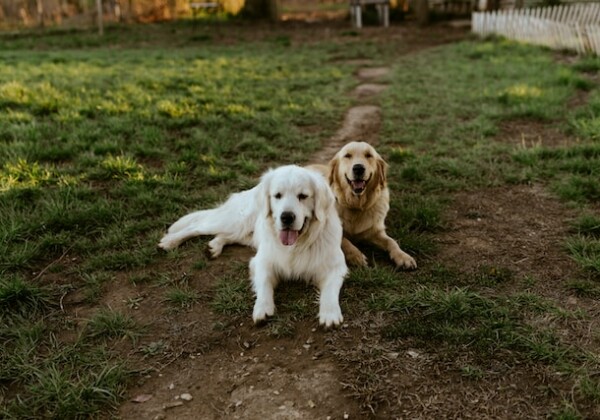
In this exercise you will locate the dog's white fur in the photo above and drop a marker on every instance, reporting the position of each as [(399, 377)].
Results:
[(306, 246)]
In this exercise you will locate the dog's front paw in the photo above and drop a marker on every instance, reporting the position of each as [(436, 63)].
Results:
[(403, 260), (262, 310), (331, 317), (356, 259)]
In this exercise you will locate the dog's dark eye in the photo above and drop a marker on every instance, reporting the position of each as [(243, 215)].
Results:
[(277, 196), (302, 197), (368, 155), (348, 155)]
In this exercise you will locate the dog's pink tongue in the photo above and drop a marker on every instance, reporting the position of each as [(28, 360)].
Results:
[(358, 185), (288, 237)]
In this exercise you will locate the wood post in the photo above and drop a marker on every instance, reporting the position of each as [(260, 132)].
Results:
[(40, 12), (100, 17)]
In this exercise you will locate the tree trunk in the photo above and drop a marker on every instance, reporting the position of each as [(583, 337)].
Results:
[(100, 17), (261, 9), (422, 11)]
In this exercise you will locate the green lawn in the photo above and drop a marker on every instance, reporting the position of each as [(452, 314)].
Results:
[(103, 143)]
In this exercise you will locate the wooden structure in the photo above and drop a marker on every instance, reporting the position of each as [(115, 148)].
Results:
[(383, 11), (574, 27), (207, 6)]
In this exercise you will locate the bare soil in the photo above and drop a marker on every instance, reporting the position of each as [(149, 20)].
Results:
[(530, 133), (232, 369)]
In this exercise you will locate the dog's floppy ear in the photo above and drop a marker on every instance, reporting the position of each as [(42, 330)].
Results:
[(333, 170), (261, 198), (323, 195), (381, 173)]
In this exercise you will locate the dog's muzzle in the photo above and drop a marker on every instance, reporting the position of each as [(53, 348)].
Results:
[(287, 235), (358, 185)]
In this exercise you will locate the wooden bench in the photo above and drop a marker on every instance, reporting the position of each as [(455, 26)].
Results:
[(208, 6), (383, 11)]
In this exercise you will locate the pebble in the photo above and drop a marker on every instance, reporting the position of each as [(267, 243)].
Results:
[(172, 405), (186, 397)]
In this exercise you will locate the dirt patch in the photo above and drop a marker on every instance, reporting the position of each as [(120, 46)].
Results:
[(250, 377), (531, 133), (413, 383), (520, 228)]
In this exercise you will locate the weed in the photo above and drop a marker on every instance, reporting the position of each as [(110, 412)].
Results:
[(588, 225), (232, 296), (586, 251), (590, 389), (18, 296), (199, 265), (181, 297), (584, 288), (155, 348), (492, 276), (280, 327), (471, 372), (108, 324), (57, 393)]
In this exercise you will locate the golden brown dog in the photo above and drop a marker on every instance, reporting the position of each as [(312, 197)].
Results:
[(358, 177)]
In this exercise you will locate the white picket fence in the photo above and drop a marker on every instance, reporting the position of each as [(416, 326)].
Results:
[(575, 26)]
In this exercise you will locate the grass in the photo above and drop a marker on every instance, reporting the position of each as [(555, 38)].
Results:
[(181, 297), (232, 296), (459, 317), (106, 141), (107, 323)]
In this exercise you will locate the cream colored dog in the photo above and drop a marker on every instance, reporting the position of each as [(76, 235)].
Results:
[(291, 220), (358, 177)]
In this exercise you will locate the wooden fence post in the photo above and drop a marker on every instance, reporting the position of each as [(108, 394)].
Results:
[(100, 17), (40, 12)]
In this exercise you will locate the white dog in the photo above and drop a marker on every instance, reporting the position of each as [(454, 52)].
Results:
[(291, 220)]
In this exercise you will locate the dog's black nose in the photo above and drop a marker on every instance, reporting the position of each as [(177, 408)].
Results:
[(358, 171), (287, 218)]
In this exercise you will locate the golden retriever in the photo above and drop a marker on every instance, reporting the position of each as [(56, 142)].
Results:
[(291, 220), (358, 177)]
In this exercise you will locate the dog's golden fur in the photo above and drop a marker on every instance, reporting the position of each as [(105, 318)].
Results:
[(362, 201)]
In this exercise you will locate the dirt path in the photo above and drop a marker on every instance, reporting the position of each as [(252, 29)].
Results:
[(363, 121)]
